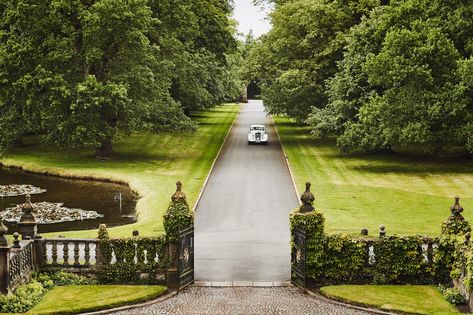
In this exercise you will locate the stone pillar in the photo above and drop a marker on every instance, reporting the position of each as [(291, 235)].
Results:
[(39, 252), (178, 222), (28, 225), (172, 274), (300, 234), (4, 261)]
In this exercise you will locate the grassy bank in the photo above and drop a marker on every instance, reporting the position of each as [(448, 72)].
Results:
[(150, 163), (417, 299), (87, 298), (410, 194)]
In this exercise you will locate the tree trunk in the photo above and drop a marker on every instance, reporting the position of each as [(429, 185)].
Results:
[(105, 150)]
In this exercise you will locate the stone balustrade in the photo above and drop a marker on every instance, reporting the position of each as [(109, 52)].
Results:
[(68, 253), (21, 264)]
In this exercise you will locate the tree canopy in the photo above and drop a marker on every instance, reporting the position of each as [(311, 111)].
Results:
[(376, 75), (300, 52), (404, 80), (78, 71)]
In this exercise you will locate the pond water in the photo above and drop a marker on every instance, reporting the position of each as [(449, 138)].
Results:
[(73, 193)]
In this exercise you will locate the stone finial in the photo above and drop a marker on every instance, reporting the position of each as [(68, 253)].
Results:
[(457, 209), (3, 231), (307, 199), (178, 195), (16, 241), (382, 230), (27, 208)]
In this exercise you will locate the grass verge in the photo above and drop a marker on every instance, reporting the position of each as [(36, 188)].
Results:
[(410, 194), (150, 163), (87, 298), (411, 299)]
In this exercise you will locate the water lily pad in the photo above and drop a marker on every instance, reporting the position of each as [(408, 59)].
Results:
[(48, 212), (14, 190)]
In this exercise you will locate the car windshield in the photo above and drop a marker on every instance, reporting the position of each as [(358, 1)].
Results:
[(257, 128)]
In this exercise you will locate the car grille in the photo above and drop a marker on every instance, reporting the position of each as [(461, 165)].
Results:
[(258, 136)]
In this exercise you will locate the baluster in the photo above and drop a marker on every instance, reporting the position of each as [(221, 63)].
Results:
[(22, 263), (30, 256), (430, 252), (97, 252), (45, 252), (367, 254), (66, 253), (87, 254), (54, 253), (76, 253)]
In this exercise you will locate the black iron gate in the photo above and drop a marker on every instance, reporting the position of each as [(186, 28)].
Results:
[(298, 258), (185, 267)]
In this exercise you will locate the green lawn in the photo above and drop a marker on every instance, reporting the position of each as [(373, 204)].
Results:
[(417, 299), (410, 194), (150, 163), (87, 298)]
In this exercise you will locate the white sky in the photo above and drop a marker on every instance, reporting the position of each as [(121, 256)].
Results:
[(251, 17)]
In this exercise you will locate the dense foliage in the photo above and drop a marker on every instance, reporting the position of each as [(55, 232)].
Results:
[(453, 296), (178, 216), (28, 295), (404, 80), (295, 58), (375, 75), (78, 71), (394, 259), (24, 298), (134, 255)]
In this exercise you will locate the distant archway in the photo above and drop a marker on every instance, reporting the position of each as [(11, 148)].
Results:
[(253, 91)]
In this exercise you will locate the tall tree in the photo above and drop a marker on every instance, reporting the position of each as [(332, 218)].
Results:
[(200, 45), (78, 71), (300, 53), (404, 80)]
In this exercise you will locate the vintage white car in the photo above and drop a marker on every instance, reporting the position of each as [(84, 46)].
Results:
[(257, 134)]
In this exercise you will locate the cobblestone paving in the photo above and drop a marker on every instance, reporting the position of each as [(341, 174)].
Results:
[(243, 300)]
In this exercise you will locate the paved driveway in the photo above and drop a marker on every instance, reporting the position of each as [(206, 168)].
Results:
[(243, 301), (242, 220)]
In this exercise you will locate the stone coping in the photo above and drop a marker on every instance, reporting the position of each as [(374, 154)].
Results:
[(261, 284), (132, 306)]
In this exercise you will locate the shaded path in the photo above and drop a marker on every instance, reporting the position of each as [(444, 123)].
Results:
[(247, 301), (242, 220)]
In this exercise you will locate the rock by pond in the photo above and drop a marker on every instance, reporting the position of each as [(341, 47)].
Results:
[(114, 203)]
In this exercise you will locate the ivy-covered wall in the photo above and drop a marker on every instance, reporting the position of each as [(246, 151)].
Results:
[(135, 256), (393, 259)]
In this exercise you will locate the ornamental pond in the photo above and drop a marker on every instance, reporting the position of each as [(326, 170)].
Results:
[(113, 203)]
